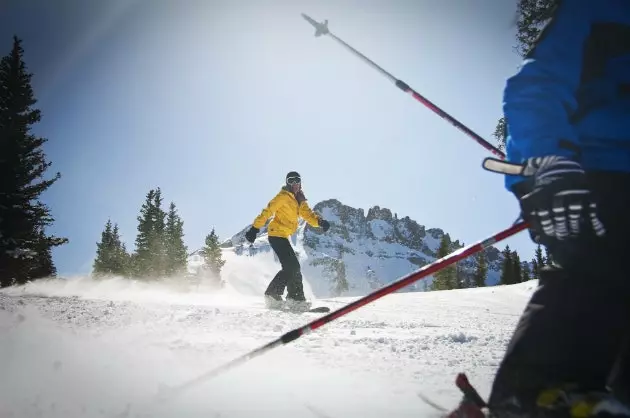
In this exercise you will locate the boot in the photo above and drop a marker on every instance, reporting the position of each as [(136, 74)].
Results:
[(565, 403), (274, 302), (297, 305)]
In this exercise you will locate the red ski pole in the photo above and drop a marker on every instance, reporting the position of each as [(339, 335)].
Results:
[(322, 29), (317, 323)]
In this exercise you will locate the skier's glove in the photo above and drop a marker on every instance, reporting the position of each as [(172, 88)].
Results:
[(557, 203), (560, 206), (324, 224), (250, 235)]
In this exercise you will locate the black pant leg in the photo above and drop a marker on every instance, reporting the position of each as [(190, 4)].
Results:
[(290, 275), (277, 285), (575, 323)]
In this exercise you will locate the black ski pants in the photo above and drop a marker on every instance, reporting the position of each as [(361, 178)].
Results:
[(576, 325), (290, 276)]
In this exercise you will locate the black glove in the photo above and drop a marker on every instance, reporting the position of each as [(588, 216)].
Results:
[(251, 234), (324, 224), (559, 204)]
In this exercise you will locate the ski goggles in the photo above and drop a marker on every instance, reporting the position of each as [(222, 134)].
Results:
[(293, 180)]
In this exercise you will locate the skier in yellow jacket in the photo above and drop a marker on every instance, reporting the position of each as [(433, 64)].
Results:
[(286, 207)]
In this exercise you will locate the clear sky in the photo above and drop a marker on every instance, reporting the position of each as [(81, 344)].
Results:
[(215, 101)]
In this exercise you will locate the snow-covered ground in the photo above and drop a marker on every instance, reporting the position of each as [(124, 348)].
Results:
[(82, 348)]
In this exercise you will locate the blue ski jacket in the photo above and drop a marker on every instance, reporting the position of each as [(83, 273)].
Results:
[(571, 96)]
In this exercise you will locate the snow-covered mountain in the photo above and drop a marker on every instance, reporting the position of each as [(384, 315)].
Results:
[(370, 250)]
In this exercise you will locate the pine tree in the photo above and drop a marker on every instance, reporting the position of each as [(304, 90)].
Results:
[(532, 15), (340, 281), (500, 133), (25, 249), (120, 260), (463, 279), (372, 279), (212, 254), (535, 270), (538, 262), (102, 262), (150, 257), (516, 268), (507, 267), (176, 251), (526, 272), (481, 271), (111, 254), (446, 278)]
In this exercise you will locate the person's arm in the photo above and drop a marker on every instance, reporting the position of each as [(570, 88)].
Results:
[(541, 97), (266, 213), (308, 215)]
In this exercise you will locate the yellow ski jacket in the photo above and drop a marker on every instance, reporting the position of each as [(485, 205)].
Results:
[(286, 210)]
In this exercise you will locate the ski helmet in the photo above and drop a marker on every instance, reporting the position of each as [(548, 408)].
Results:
[(293, 177)]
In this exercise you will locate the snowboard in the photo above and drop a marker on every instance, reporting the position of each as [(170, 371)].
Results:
[(318, 309)]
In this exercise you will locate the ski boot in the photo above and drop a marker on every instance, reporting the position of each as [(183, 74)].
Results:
[(565, 402), (274, 302), (575, 404)]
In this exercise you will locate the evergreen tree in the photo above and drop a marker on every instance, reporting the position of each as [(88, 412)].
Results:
[(481, 271), (120, 260), (372, 279), (538, 253), (516, 268), (212, 254), (535, 269), (43, 265), (500, 133), (538, 262), (176, 251), (150, 258), (532, 16), (102, 262), (111, 254), (25, 248), (507, 267), (446, 278), (526, 272), (340, 281), (463, 279)]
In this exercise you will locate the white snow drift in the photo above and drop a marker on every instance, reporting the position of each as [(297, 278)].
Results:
[(86, 348)]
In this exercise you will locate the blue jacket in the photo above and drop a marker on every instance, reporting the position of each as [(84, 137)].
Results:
[(571, 96)]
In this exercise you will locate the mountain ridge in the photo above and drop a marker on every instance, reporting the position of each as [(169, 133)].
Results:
[(367, 250)]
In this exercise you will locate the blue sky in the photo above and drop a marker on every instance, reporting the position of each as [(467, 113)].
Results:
[(214, 101)]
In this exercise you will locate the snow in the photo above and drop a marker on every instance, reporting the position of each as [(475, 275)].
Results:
[(104, 348), (330, 215), (432, 242), (380, 228)]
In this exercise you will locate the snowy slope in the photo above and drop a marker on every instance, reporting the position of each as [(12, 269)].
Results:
[(375, 249), (82, 348)]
